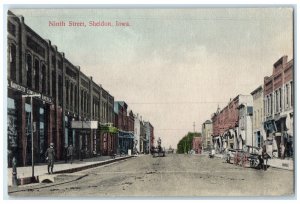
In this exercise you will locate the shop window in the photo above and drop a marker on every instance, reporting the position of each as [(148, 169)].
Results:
[(42, 136), (12, 134), (12, 60)]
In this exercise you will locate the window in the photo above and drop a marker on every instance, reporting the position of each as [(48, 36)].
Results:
[(280, 99), (53, 84), (71, 96), (75, 99), (67, 94), (60, 90), (81, 101), (287, 95), (292, 94), (12, 60), (271, 104), (37, 74), (29, 70), (44, 78)]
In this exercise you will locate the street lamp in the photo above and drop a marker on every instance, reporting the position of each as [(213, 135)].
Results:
[(31, 121)]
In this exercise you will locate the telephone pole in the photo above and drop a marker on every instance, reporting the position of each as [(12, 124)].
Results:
[(194, 127)]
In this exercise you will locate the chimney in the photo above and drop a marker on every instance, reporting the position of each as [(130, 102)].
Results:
[(48, 41)]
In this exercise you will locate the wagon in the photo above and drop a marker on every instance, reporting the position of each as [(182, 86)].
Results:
[(158, 152), (243, 158)]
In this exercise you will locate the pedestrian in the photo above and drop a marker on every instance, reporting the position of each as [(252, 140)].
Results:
[(70, 153), (260, 158), (66, 153), (265, 156), (50, 156)]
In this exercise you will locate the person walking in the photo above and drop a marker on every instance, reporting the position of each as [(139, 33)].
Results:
[(50, 156), (70, 153), (260, 158), (265, 156)]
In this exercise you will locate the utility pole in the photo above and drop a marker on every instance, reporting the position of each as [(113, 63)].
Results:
[(194, 127), (31, 121)]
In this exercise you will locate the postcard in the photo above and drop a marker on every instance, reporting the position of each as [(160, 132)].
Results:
[(150, 102)]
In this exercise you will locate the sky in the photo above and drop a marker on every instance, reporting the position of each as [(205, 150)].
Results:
[(173, 67)]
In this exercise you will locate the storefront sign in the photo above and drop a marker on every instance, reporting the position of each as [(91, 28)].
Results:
[(30, 92), (84, 124), (18, 87)]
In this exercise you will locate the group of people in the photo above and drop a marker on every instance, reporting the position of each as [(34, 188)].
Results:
[(50, 156)]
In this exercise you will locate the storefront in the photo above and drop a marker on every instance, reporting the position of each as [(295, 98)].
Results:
[(24, 132), (126, 141)]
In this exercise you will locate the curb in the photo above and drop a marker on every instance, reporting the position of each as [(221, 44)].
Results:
[(29, 180)]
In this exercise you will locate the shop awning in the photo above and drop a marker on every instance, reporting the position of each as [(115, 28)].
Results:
[(84, 124), (124, 134), (109, 129), (270, 126)]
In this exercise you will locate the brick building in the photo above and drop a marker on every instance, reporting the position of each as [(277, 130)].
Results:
[(60, 93), (124, 121), (197, 144), (279, 107), (226, 124)]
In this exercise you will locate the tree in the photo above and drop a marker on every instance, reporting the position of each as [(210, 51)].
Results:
[(185, 144)]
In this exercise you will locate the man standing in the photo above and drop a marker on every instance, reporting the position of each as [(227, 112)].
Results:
[(70, 153), (50, 156)]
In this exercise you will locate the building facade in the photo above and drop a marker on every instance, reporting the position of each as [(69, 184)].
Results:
[(137, 133), (149, 133), (225, 124), (125, 123), (245, 125), (279, 107), (258, 116), (197, 145), (49, 100), (143, 140), (206, 135)]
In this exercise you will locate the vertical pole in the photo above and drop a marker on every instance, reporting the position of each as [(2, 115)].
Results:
[(32, 148)]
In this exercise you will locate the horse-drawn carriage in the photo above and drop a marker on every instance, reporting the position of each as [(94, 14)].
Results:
[(158, 151)]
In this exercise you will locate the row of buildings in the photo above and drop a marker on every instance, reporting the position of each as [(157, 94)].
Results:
[(50, 100), (265, 116)]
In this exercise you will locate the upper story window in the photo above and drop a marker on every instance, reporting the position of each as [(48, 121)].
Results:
[(29, 70), (12, 60), (44, 78), (37, 74)]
